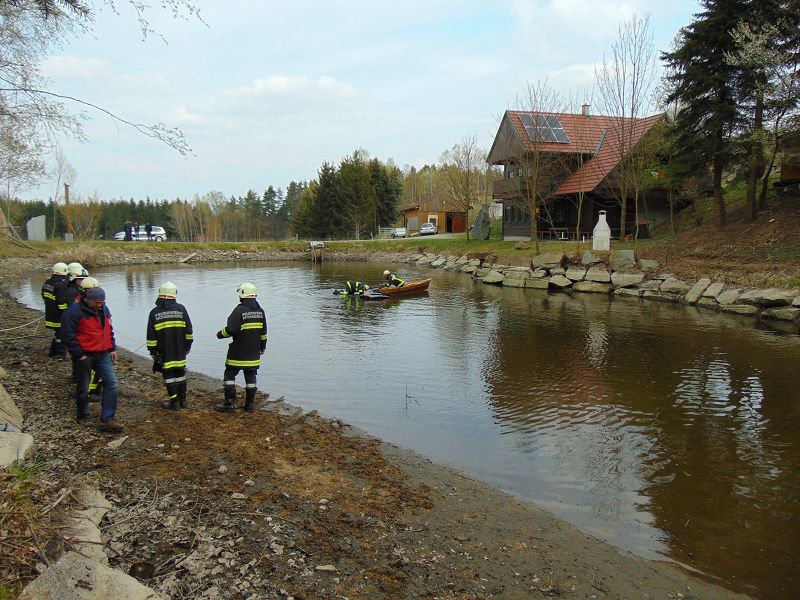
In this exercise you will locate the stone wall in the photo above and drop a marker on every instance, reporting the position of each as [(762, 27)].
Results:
[(618, 273)]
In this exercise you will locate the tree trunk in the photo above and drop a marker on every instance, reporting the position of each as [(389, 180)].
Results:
[(623, 215), (756, 160), (719, 201)]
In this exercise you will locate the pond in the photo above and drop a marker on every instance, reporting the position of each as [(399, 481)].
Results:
[(668, 431)]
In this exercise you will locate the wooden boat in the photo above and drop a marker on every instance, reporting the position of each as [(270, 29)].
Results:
[(418, 285)]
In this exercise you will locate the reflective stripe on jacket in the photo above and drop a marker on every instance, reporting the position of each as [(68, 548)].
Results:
[(169, 333), (54, 303), (247, 325)]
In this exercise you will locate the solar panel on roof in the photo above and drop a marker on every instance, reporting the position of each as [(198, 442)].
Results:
[(544, 128)]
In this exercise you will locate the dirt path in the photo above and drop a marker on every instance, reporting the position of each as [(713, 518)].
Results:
[(279, 504)]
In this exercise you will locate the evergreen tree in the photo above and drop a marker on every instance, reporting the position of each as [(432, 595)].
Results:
[(705, 89)]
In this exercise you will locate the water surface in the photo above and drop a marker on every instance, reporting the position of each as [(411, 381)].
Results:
[(666, 430)]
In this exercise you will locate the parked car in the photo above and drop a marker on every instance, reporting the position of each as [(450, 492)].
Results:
[(399, 232), (428, 229), (157, 234)]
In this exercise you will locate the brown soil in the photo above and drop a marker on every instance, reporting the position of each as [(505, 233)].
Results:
[(278, 503), (763, 253)]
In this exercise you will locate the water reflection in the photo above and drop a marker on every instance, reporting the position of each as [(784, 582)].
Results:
[(666, 430)]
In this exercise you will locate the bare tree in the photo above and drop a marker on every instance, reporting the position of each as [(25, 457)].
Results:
[(624, 83), (85, 215), (63, 172), (462, 165), (32, 115), (776, 92), (537, 166)]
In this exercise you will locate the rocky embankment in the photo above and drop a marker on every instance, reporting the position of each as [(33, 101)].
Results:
[(621, 274)]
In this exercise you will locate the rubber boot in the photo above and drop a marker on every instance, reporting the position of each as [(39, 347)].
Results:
[(182, 394), (229, 404), (249, 399), (172, 391)]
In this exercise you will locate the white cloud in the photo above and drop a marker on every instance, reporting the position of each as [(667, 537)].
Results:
[(62, 67), (293, 87)]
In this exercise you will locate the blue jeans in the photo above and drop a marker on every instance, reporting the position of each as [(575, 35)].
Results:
[(100, 362)]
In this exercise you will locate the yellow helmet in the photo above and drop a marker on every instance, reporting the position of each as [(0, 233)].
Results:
[(168, 290), (89, 282), (386, 272), (60, 268), (247, 290)]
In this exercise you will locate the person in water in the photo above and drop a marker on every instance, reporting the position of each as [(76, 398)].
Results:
[(354, 288)]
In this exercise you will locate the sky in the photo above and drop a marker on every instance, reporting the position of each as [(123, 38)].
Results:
[(267, 91)]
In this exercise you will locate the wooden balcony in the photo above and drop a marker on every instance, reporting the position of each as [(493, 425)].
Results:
[(509, 188)]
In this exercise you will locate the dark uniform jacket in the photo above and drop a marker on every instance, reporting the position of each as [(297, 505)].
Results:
[(247, 325), (169, 333), (354, 288), (394, 281), (84, 329), (72, 291), (54, 302)]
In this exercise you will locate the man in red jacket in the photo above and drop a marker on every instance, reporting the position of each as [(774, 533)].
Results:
[(87, 333)]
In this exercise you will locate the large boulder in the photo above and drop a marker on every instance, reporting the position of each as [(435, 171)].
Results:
[(674, 286), (9, 413), (494, 277), (747, 310), (514, 261), (480, 229), (76, 577), (782, 314), (694, 294), (728, 297), (549, 260), (621, 259), (537, 284), (598, 274), (576, 274), (592, 287), (621, 280), (13, 447), (714, 290), (559, 282), (768, 297), (589, 258)]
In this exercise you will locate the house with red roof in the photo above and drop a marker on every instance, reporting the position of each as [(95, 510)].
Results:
[(578, 158)]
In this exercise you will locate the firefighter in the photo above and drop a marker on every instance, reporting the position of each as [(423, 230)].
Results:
[(353, 288), (55, 305), (73, 289), (169, 340), (392, 280), (247, 325)]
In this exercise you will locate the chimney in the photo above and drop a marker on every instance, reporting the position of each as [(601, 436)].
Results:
[(585, 109)]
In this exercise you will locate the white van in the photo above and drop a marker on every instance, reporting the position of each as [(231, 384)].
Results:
[(157, 234)]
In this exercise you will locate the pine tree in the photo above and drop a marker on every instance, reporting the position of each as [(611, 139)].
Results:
[(705, 89)]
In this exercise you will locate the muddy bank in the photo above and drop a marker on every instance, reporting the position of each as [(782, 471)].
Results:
[(281, 503)]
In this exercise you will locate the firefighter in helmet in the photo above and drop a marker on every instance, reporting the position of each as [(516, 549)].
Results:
[(169, 340), (247, 325), (392, 280), (55, 305)]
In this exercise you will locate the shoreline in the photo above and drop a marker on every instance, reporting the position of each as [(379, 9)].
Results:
[(314, 493)]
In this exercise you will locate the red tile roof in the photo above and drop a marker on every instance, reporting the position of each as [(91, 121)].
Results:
[(597, 135)]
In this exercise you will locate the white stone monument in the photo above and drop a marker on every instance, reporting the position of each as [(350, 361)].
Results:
[(37, 229), (601, 236)]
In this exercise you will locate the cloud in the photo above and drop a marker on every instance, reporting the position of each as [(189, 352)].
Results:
[(63, 67), (293, 88)]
